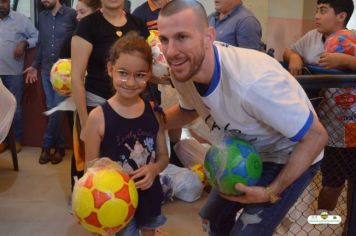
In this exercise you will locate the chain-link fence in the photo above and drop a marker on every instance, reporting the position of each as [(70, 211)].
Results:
[(331, 191)]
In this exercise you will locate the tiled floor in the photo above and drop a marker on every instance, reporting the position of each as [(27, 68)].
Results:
[(33, 201)]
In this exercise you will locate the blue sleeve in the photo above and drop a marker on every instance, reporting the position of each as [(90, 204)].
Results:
[(211, 19), (31, 33), (304, 129), (249, 33)]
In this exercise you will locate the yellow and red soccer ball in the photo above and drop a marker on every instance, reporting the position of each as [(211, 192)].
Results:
[(61, 76), (199, 170), (342, 41), (104, 200)]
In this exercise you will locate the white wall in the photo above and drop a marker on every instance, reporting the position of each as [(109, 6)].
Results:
[(208, 4), (352, 22)]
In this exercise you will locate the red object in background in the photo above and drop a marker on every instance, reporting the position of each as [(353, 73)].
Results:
[(342, 41), (345, 100)]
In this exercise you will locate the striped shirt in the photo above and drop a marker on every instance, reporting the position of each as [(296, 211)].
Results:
[(148, 12)]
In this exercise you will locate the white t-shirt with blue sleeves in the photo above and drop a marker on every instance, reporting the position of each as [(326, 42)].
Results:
[(252, 96)]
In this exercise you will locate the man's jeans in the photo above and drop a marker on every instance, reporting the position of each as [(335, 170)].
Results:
[(15, 84), (53, 136), (256, 219)]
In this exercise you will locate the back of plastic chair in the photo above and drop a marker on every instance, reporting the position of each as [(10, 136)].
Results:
[(7, 110)]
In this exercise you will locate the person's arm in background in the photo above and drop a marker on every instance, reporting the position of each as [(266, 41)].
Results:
[(80, 50), (337, 61), (294, 60), (248, 33), (32, 71), (93, 134), (177, 117), (31, 35), (294, 54)]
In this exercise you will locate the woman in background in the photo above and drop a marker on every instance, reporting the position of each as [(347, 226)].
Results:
[(83, 9)]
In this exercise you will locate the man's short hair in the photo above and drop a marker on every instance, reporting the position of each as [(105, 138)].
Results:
[(176, 6), (340, 6)]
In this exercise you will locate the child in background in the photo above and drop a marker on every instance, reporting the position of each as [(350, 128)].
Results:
[(128, 130), (336, 111), (330, 17)]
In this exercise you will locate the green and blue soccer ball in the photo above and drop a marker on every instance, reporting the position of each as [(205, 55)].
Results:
[(230, 162)]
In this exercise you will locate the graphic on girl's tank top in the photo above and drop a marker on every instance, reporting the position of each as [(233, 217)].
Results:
[(126, 141), (139, 154)]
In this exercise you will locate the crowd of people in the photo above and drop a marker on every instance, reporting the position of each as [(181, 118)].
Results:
[(212, 62)]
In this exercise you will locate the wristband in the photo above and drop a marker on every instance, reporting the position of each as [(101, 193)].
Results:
[(273, 198)]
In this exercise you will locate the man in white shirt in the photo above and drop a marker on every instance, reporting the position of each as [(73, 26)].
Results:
[(248, 93)]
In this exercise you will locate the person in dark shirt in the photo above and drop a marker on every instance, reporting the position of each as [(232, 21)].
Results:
[(56, 24), (83, 9), (130, 131), (236, 25), (148, 12)]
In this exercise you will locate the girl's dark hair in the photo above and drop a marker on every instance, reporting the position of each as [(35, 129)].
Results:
[(340, 6), (93, 4), (131, 42)]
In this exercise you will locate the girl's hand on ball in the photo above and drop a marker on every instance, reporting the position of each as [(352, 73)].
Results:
[(144, 176), (252, 194), (331, 60)]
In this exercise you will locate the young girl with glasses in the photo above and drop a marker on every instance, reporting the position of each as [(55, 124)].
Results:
[(128, 130)]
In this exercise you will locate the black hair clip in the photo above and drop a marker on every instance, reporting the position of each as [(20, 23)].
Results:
[(157, 108)]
